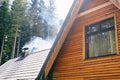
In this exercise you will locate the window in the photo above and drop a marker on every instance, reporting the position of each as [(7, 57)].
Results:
[(100, 39)]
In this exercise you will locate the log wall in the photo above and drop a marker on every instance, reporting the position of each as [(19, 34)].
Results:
[(72, 65), (88, 4)]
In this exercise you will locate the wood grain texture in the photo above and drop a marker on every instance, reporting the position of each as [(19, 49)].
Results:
[(94, 9), (88, 4), (116, 3), (72, 65)]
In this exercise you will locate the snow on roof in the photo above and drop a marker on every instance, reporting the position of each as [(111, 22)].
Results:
[(26, 69)]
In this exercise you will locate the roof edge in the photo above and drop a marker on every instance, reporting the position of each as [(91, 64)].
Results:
[(42, 71)]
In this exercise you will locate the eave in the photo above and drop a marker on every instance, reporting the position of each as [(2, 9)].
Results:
[(93, 9), (116, 3)]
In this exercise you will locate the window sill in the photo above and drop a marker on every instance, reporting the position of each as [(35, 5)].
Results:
[(101, 56)]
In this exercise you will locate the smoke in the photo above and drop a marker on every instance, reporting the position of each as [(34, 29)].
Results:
[(37, 44), (49, 14)]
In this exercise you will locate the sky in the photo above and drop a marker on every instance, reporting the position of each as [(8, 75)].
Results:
[(62, 7)]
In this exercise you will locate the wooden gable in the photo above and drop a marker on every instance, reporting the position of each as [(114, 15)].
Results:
[(71, 63), (88, 4), (116, 3)]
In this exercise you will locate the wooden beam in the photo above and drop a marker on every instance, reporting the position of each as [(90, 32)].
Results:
[(63, 36), (93, 9), (116, 3)]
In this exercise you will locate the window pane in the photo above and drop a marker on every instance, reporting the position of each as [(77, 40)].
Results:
[(94, 43), (92, 29), (105, 43), (112, 42), (112, 22), (88, 30), (107, 24), (100, 42)]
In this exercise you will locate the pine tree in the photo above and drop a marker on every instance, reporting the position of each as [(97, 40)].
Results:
[(18, 17), (4, 27), (36, 23), (42, 19)]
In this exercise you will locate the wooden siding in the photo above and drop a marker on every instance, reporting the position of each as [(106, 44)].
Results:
[(88, 4), (116, 3), (118, 30), (71, 64)]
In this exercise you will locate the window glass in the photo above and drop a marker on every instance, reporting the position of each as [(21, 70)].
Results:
[(107, 24), (100, 39)]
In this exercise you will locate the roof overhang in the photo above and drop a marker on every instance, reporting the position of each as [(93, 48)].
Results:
[(116, 3), (94, 9)]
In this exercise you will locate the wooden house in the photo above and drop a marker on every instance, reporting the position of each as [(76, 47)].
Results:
[(87, 46)]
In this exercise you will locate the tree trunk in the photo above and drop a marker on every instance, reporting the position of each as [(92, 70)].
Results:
[(18, 46), (1, 51), (14, 45)]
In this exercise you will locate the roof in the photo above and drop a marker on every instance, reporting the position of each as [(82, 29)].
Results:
[(27, 68)]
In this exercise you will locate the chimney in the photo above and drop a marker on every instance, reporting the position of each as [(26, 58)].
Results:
[(25, 52)]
